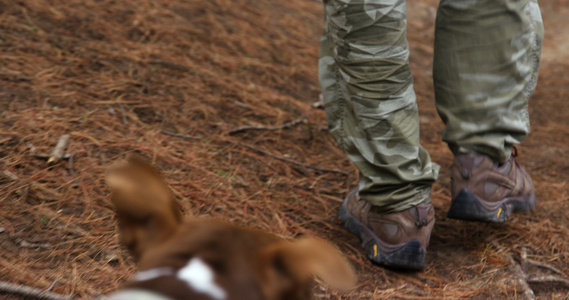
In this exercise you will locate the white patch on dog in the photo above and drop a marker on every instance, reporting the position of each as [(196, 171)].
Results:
[(200, 277), (153, 273)]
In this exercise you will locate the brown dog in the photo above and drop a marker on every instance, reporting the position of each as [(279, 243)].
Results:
[(203, 258)]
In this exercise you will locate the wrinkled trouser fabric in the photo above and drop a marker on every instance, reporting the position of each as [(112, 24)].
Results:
[(485, 69)]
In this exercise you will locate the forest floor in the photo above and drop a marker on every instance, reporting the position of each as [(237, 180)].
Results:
[(175, 80)]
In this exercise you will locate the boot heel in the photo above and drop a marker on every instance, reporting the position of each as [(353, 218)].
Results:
[(466, 206)]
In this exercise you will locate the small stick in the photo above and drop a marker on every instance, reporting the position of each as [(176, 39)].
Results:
[(25, 194), (240, 104), (26, 244), (521, 278), (123, 114), (320, 103), (518, 273), (30, 291), (33, 185), (5, 140), (544, 266), (248, 127), (181, 135), (10, 175), (52, 285), (524, 258), (172, 66), (69, 158), (59, 150), (549, 279), (525, 262), (290, 160)]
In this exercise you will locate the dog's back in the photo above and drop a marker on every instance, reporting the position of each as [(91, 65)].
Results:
[(203, 258)]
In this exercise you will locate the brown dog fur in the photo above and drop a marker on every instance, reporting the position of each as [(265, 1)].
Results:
[(248, 264)]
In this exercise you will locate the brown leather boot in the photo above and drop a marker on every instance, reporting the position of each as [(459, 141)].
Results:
[(397, 240), (483, 190)]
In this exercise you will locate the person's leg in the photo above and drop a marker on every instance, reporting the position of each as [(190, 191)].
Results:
[(485, 70), (370, 103), (372, 113)]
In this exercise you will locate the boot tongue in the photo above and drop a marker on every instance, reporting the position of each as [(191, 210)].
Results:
[(466, 163), (420, 212), (469, 162)]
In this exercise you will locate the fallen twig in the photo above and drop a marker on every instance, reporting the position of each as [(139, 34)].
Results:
[(519, 275), (249, 127), (69, 158), (521, 278), (544, 278), (549, 279), (123, 114), (27, 291), (52, 285), (290, 160), (26, 244), (523, 258), (10, 175), (172, 66), (27, 185), (5, 139), (14, 77), (59, 150), (240, 104), (57, 154), (525, 261), (544, 266), (320, 103), (181, 135), (519, 271)]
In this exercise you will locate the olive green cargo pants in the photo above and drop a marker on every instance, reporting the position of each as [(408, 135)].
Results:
[(485, 70)]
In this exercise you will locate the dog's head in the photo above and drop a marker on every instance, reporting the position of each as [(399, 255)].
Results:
[(208, 259)]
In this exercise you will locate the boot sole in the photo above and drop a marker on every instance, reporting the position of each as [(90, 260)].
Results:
[(468, 207), (411, 256)]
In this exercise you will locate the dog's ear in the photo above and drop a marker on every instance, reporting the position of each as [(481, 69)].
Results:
[(147, 212), (293, 264)]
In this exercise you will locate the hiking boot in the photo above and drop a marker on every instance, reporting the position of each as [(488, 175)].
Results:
[(398, 240), (485, 191)]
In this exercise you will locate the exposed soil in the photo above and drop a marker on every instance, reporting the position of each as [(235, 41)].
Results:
[(117, 75)]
